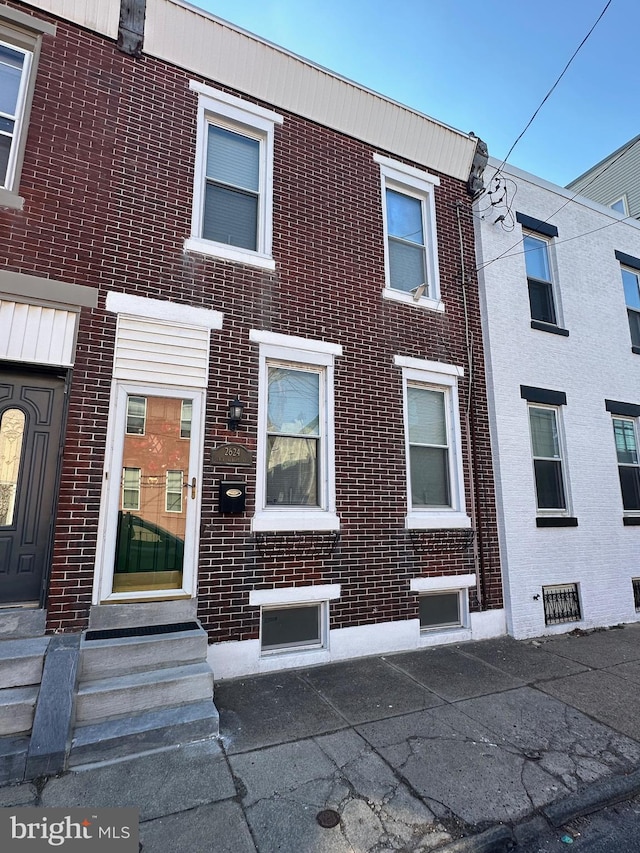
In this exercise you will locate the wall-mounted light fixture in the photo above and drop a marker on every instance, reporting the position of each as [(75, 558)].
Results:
[(236, 409)]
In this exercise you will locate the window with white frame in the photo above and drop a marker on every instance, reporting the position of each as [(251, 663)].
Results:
[(539, 278), (546, 448), (294, 619), (410, 242), (20, 39), (173, 491), (625, 431), (131, 488), (620, 205), (631, 284), (443, 602), (136, 415), (233, 193), (186, 413), (15, 63), (295, 488), (435, 482)]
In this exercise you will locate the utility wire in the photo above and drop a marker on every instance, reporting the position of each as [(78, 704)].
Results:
[(564, 70), (505, 254)]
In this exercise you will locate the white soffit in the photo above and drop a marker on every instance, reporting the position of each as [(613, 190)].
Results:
[(224, 54), (100, 16)]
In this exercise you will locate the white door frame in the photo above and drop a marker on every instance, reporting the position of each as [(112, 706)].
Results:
[(110, 498)]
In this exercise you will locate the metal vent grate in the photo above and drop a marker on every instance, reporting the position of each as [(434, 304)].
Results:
[(561, 604)]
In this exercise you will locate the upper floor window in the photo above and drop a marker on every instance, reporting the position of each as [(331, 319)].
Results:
[(435, 482), (620, 205), (233, 179), (539, 279), (631, 284), (20, 38), (14, 75), (537, 240), (295, 477), (411, 253)]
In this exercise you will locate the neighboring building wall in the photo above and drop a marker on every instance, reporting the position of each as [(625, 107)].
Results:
[(615, 178), (107, 182), (571, 367)]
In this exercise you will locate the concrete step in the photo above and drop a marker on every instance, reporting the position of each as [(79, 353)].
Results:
[(117, 697), (17, 705), (13, 756), (21, 661), (96, 742), (112, 657)]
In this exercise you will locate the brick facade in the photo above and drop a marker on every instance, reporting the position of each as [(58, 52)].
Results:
[(107, 181)]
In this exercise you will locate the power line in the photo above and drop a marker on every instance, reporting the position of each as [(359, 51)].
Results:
[(564, 70)]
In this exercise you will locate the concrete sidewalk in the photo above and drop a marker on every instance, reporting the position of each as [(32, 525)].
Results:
[(470, 747)]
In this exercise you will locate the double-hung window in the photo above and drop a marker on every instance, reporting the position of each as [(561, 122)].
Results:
[(20, 37), (544, 410), (233, 177), (630, 270), (295, 489), (547, 458), (14, 75), (626, 431), (537, 244), (409, 220), (435, 482)]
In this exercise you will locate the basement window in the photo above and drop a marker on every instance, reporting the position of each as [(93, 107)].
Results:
[(285, 629), (561, 604), (440, 610)]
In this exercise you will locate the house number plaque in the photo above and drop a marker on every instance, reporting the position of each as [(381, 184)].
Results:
[(231, 454)]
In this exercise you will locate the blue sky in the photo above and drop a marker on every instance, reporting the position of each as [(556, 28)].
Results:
[(478, 66)]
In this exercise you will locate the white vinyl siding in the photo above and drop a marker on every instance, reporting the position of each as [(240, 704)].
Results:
[(37, 334)]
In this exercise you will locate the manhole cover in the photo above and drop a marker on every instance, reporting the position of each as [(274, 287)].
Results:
[(328, 818)]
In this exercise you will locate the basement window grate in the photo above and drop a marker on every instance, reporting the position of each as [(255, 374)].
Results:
[(636, 592), (141, 631), (561, 604)]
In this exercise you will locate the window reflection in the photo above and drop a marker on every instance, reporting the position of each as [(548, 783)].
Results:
[(152, 511)]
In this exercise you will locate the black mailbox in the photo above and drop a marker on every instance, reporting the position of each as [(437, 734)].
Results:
[(232, 496)]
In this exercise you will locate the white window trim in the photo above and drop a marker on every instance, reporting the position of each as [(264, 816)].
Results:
[(443, 377), (459, 584), (551, 511), (215, 106), (320, 594), (178, 491), (414, 182), (631, 513), (300, 351), (135, 508), (553, 272), (20, 118), (625, 205)]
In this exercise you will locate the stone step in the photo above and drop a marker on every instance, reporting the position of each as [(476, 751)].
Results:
[(96, 742), (21, 661), (117, 697), (111, 657), (13, 756), (17, 705)]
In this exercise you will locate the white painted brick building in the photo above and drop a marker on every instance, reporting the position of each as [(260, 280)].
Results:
[(559, 279)]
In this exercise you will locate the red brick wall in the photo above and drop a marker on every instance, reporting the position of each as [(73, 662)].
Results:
[(107, 182)]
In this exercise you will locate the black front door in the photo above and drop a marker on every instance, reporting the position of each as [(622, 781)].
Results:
[(31, 414)]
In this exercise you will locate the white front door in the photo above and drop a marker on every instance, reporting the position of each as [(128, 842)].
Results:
[(150, 514)]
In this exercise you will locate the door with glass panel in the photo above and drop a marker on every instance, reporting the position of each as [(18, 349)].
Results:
[(31, 414), (154, 493)]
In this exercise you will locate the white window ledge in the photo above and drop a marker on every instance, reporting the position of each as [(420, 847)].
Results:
[(294, 594), (442, 583), (274, 521), (229, 253), (425, 302), (10, 200), (437, 521)]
